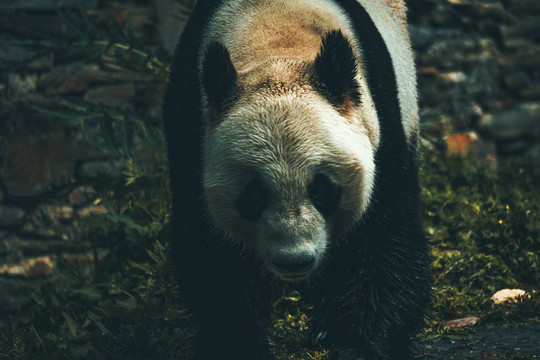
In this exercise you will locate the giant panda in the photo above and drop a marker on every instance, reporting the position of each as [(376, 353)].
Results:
[(292, 131)]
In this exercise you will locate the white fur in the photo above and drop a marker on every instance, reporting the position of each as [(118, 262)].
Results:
[(402, 56), (286, 132), (232, 22)]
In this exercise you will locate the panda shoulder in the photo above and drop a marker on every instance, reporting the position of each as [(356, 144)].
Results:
[(399, 10)]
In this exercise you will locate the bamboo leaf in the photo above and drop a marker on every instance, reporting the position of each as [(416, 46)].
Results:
[(118, 35), (83, 36), (126, 135), (61, 113), (59, 42), (71, 323), (106, 130), (92, 24)]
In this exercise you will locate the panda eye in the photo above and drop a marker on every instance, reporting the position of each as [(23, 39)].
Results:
[(324, 194), (252, 201)]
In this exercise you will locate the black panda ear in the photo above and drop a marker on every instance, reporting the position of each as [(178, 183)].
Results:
[(218, 76), (335, 68)]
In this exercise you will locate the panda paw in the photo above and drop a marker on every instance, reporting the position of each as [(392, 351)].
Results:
[(345, 353)]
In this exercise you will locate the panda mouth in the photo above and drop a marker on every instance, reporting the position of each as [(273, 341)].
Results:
[(291, 277), (292, 266)]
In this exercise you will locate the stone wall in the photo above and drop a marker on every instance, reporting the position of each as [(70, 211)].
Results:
[(479, 80), (479, 69)]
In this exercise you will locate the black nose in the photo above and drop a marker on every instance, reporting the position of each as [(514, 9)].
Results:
[(293, 262)]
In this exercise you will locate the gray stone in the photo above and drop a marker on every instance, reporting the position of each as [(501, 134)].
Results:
[(517, 80), (30, 267), (421, 36), (524, 120), (100, 169), (524, 28), (46, 4), (524, 5), (532, 155), (11, 54), (21, 85), (36, 247), (509, 148), (9, 215), (14, 293), (112, 95)]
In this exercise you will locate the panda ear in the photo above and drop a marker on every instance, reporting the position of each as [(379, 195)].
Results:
[(218, 76), (335, 68)]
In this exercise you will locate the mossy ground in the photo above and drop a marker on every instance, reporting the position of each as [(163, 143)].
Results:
[(483, 227), (483, 224)]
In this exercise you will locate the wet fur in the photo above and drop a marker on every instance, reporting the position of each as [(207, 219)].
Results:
[(374, 285)]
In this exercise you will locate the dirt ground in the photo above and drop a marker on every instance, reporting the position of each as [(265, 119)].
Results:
[(519, 341)]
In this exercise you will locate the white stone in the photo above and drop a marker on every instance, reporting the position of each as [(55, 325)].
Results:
[(506, 295)]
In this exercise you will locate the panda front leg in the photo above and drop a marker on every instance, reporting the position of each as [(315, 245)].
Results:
[(231, 333), (369, 308), (228, 299)]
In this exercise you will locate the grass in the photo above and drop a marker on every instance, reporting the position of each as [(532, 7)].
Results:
[(483, 224), (484, 230)]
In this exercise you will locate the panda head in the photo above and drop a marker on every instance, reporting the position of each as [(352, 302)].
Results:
[(288, 155)]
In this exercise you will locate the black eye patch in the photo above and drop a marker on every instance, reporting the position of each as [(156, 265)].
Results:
[(324, 194), (252, 201)]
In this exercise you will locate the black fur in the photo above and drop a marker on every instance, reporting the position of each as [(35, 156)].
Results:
[(218, 77), (253, 200), (374, 287), (335, 68), (324, 194)]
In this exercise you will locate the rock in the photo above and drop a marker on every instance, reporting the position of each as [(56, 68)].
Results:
[(526, 6), (507, 295), (100, 169), (70, 79), (443, 15), (517, 80), (37, 247), (523, 59), (9, 250), (112, 95), (81, 195), (39, 266), (78, 78), (46, 4), (520, 29), (86, 259), (137, 16), (21, 85), (461, 143), (94, 209), (9, 215), (453, 77), (60, 212), (14, 294), (463, 322), (34, 163), (470, 142), (512, 146), (421, 36), (11, 54), (511, 124), (14, 53), (36, 229)]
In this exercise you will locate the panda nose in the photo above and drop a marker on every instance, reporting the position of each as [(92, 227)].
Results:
[(293, 262)]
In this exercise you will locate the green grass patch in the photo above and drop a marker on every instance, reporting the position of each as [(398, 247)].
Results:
[(483, 225)]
